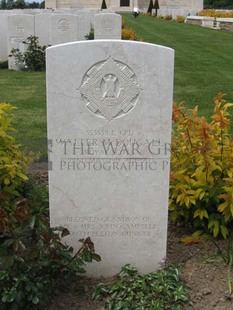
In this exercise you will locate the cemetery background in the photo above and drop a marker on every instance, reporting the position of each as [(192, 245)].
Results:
[(189, 258)]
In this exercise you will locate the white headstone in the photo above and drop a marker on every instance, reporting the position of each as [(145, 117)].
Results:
[(3, 37), (109, 127), (43, 28), (20, 27), (63, 28), (208, 22), (85, 23), (107, 26)]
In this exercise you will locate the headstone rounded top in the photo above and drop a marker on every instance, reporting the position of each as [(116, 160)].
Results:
[(113, 41)]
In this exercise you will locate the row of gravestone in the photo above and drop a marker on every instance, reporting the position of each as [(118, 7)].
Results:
[(211, 22), (54, 28), (175, 12)]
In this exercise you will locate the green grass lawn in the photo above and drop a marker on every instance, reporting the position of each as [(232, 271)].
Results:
[(27, 92), (203, 67), (203, 58)]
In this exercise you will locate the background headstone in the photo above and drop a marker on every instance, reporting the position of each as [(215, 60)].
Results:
[(107, 26), (3, 36), (85, 22), (20, 27), (43, 28), (63, 28), (109, 124)]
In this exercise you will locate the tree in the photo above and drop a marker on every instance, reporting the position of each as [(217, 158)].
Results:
[(150, 7), (104, 5), (19, 4), (218, 4), (42, 5), (10, 4), (33, 5), (156, 7), (3, 5)]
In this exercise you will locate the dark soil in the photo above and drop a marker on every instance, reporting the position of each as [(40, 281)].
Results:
[(207, 282)]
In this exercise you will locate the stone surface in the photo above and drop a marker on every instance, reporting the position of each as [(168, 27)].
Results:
[(109, 127), (85, 23), (107, 26), (3, 37), (225, 23), (194, 20), (125, 5), (43, 28), (208, 22), (64, 28)]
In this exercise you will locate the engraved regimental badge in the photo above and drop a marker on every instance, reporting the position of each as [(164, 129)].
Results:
[(63, 25), (109, 89)]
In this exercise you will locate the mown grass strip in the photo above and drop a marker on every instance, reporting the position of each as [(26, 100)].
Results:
[(203, 58)]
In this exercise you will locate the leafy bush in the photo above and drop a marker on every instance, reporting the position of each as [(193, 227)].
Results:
[(90, 35), (32, 256), (180, 19), (161, 290), (128, 34), (34, 57), (13, 163), (4, 64), (123, 23), (168, 17), (201, 191), (216, 13)]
